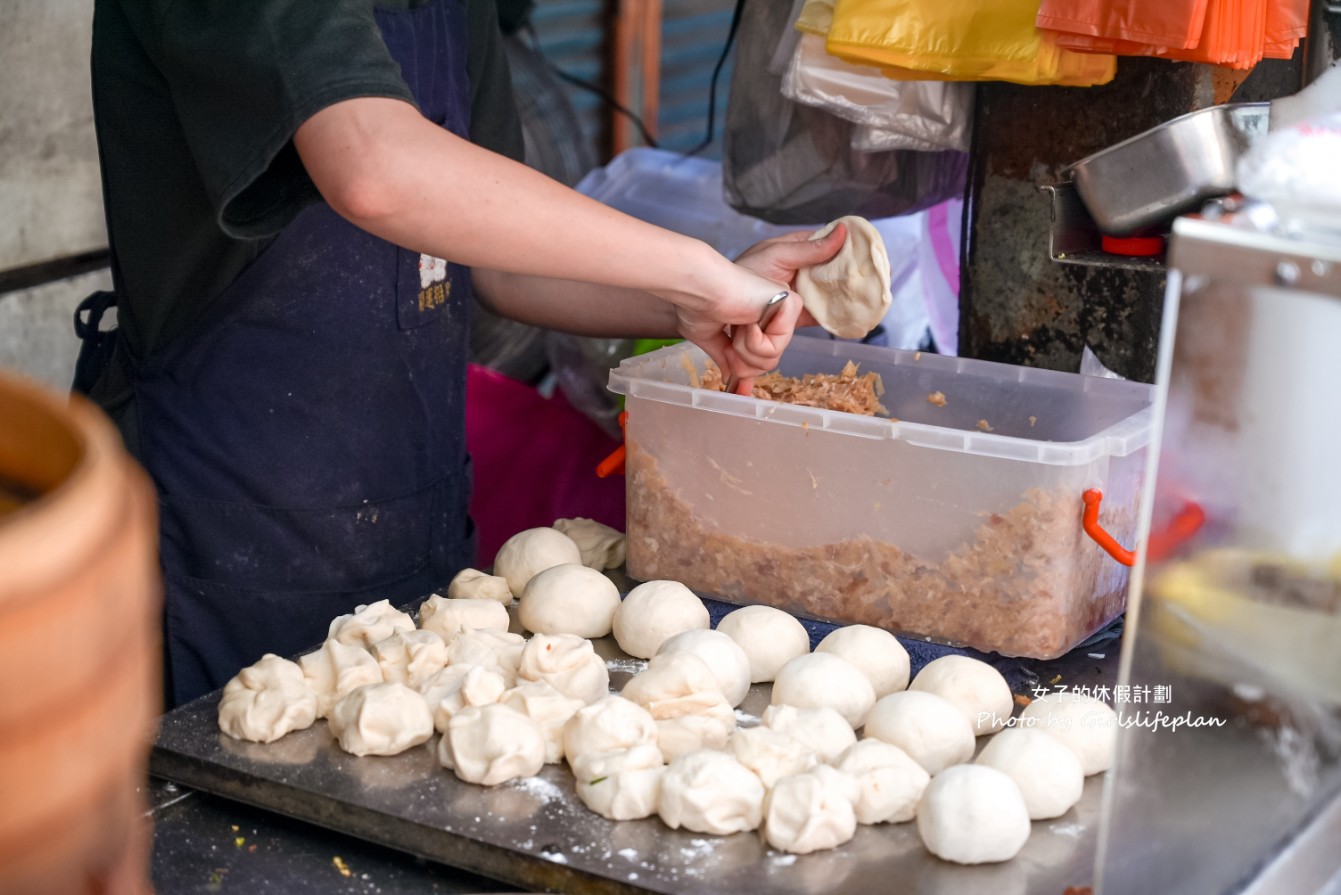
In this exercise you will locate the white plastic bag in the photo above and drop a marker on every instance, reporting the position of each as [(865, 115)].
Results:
[(921, 115)]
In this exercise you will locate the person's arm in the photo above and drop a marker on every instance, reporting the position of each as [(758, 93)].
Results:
[(381, 165)]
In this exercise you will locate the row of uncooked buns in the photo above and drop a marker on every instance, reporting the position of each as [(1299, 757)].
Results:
[(679, 710)]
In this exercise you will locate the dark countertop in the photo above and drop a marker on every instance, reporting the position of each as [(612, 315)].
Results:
[(204, 843)]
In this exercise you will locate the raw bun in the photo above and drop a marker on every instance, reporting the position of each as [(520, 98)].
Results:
[(612, 724), (569, 599), (410, 657), (445, 683), (620, 785), (567, 663), (770, 638), (849, 294), (726, 660), (1086, 724), (381, 719), (480, 685), (529, 552), (600, 545), (472, 584), (810, 811), (548, 708), (335, 670), (710, 792), (821, 680), (267, 700), (655, 611), (448, 617), (973, 814), (770, 754), (681, 693), (976, 688), (876, 652), (491, 744), (889, 782), (1046, 770), (369, 624), (485, 647), (933, 731), (822, 729)]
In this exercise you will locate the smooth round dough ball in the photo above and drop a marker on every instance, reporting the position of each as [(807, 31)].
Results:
[(1046, 770), (710, 792), (875, 651), (381, 719), (822, 729), (530, 552), (770, 638), (823, 679), (810, 811), (933, 731), (569, 599), (889, 782), (720, 653), (973, 814), (472, 584), (1086, 724), (977, 688), (849, 294), (655, 611), (266, 700), (491, 744)]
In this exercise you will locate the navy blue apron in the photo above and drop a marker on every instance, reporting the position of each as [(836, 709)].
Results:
[(307, 433)]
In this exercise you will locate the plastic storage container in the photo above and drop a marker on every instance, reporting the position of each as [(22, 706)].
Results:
[(959, 522)]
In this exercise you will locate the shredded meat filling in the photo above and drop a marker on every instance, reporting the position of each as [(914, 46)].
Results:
[(845, 392)]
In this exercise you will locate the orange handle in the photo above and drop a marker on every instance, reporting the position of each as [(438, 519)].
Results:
[(614, 464), (1182, 527)]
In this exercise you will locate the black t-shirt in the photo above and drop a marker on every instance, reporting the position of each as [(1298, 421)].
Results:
[(196, 103)]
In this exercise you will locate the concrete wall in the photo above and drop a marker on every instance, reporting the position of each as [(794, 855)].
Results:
[(50, 189)]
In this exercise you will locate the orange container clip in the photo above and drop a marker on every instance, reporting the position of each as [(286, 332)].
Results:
[(1181, 529), (614, 464)]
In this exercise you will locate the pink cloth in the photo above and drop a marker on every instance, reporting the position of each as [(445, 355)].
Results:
[(535, 461)]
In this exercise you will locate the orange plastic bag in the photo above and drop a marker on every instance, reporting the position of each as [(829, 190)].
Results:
[(1163, 23)]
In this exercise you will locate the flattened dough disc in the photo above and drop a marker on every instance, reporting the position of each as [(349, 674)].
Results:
[(849, 293)]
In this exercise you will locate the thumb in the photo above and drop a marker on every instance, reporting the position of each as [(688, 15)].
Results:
[(822, 248)]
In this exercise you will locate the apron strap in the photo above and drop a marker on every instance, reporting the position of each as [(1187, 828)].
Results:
[(97, 345)]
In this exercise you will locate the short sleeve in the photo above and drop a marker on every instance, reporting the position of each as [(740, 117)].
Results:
[(244, 74), (494, 122)]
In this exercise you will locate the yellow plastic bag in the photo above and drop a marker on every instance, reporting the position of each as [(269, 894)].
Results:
[(952, 37)]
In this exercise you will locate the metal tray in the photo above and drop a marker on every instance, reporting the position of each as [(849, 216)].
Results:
[(535, 833), (1157, 175)]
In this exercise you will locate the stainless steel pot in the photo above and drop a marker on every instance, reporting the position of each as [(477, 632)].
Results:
[(1154, 176)]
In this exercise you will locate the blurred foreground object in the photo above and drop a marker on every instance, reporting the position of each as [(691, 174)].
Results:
[(79, 649)]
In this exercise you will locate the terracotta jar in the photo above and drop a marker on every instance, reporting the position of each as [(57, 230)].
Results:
[(79, 648)]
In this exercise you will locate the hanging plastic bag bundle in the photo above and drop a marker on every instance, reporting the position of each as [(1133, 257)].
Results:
[(923, 115), (790, 163)]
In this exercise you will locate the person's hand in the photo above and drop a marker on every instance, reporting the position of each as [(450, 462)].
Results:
[(722, 316), (779, 259)]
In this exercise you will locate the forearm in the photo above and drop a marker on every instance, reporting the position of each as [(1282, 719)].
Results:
[(580, 308), (382, 166)]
